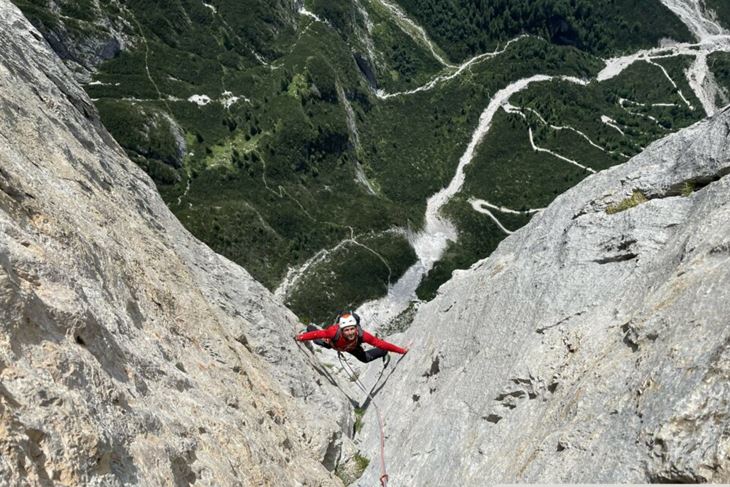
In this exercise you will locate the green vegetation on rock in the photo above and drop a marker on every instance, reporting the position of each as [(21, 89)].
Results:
[(359, 413), (636, 198)]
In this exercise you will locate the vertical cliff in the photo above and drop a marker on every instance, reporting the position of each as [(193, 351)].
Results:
[(592, 346), (130, 353)]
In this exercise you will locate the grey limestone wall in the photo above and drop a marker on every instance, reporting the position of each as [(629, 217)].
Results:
[(590, 347)]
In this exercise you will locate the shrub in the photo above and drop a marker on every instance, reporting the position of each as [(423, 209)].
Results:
[(362, 463), (359, 413), (688, 189), (636, 198)]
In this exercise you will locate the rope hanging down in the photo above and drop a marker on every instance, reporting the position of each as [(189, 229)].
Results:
[(348, 368), (353, 377)]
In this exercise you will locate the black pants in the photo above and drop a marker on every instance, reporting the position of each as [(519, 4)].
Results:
[(359, 353)]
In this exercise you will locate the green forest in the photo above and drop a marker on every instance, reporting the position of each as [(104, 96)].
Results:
[(464, 28), (297, 157)]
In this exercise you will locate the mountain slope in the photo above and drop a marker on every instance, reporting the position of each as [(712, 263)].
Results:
[(302, 140), (133, 354), (468, 27), (597, 331)]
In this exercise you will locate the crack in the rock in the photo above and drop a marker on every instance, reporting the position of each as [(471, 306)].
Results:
[(616, 258), (696, 183), (543, 329)]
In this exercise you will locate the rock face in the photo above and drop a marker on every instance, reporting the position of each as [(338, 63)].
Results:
[(130, 353), (88, 37), (592, 346)]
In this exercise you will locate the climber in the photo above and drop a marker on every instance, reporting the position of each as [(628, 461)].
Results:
[(348, 336)]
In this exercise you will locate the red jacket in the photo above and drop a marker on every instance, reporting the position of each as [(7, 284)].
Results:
[(343, 345)]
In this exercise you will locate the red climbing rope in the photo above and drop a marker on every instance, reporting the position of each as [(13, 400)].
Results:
[(353, 377), (348, 368)]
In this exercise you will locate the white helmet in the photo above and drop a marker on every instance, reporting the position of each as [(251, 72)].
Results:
[(347, 320)]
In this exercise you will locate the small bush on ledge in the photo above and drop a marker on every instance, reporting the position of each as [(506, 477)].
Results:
[(636, 198), (353, 469)]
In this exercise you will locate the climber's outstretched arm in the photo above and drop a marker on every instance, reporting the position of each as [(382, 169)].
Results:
[(377, 342)]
